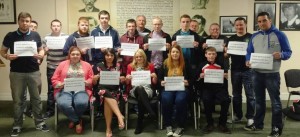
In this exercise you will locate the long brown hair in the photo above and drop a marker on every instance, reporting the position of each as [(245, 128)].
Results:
[(134, 63), (169, 62)]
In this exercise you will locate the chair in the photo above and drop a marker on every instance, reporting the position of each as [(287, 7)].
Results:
[(91, 109), (292, 80), (132, 100)]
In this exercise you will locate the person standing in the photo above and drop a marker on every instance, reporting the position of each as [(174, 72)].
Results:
[(241, 75), (54, 57), (24, 73), (141, 23), (269, 40)]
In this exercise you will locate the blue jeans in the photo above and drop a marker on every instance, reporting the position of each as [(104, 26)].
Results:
[(73, 105), (238, 80), (18, 84), (168, 100), (271, 82), (50, 93)]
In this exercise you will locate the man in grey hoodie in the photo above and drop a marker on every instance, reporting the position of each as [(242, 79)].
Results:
[(269, 40)]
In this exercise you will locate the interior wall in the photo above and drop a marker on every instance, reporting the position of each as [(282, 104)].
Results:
[(59, 9)]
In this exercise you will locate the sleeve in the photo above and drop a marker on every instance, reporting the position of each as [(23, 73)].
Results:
[(68, 44), (38, 40), (250, 49), (286, 51), (89, 74), (7, 40), (116, 41)]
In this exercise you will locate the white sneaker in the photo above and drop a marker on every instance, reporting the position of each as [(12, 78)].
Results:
[(178, 132), (250, 122), (169, 131)]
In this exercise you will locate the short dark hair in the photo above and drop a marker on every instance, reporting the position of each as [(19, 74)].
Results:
[(103, 12), (240, 19), (264, 14), (55, 20), (33, 21), (286, 5), (130, 21), (24, 15), (203, 20)]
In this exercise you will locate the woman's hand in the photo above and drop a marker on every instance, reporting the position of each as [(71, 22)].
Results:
[(163, 83), (202, 75), (146, 46), (60, 85), (186, 83), (226, 75), (87, 84), (95, 78), (128, 77)]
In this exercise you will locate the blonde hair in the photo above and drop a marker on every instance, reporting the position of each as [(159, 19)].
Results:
[(171, 66), (134, 62)]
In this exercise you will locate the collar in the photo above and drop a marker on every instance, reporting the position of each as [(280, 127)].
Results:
[(291, 22), (21, 33), (102, 29)]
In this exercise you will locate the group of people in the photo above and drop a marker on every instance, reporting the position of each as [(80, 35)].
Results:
[(191, 64)]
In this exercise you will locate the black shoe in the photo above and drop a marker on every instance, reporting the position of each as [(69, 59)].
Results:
[(48, 114), (208, 129), (276, 132), (252, 128), (43, 128), (224, 129), (138, 130), (15, 132)]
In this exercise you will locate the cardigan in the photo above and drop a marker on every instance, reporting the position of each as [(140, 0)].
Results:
[(61, 73)]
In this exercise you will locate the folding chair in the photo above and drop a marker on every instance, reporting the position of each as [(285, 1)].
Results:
[(292, 80)]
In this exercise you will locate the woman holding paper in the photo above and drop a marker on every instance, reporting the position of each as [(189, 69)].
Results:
[(142, 92), (73, 103), (174, 66), (109, 94)]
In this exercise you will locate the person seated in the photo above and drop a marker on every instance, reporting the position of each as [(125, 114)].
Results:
[(213, 91), (143, 93), (174, 66), (109, 94), (73, 103)]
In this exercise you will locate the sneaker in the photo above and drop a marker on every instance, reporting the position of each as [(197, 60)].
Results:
[(276, 132), (250, 122), (207, 129), (169, 131), (178, 132), (224, 129), (15, 132), (252, 128), (43, 128)]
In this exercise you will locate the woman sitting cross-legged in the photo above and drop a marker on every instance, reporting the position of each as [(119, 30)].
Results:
[(143, 93), (174, 66), (109, 94), (73, 103)]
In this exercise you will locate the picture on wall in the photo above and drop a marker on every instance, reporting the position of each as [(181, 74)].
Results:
[(289, 16), (7, 11), (264, 7), (227, 24)]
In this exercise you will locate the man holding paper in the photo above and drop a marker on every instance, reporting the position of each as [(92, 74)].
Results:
[(240, 73), (105, 30), (53, 46), (24, 72), (269, 40), (130, 38), (157, 56), (213, 89)]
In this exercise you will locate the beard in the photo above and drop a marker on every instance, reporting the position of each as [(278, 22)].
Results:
[(83, 32)]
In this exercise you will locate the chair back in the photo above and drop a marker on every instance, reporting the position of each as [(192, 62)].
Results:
[(292, 78)]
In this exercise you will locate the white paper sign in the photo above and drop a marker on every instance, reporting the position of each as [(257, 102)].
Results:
[(103, 42), (74, 84), (261, 61), (109, 77), (216, 43), (140, 78), (174, 83), (157, 44), (213, 76), (185, 41), (55, 42), (85, 42), (128, 49), (25, 48), (237, 48)]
